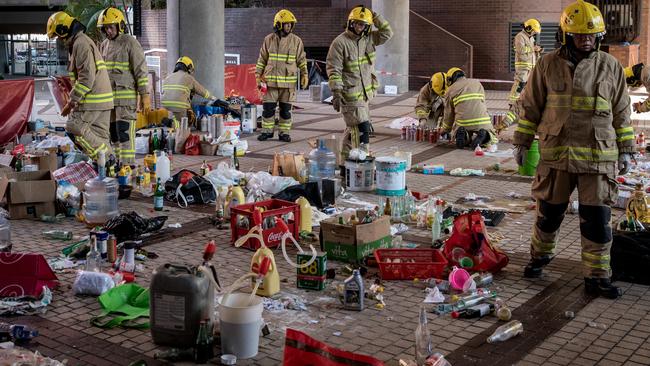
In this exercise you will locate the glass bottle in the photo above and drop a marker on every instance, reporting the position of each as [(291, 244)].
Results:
[(423, 347), (93, 258), (506, 331)]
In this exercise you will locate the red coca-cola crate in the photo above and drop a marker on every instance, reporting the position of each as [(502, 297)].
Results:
[(407, 264), (272, 208)]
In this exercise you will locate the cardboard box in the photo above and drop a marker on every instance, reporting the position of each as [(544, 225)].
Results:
[(44, 162), (352, 243), (29, 194)]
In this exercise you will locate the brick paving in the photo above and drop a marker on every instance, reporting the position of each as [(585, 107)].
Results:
[(603, 332)]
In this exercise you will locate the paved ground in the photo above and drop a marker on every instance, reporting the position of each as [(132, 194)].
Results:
[(603, 332)]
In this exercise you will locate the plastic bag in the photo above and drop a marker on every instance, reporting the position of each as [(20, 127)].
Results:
[(130, 226), (223, 175), (193, 145), (92, 283), (54, 141), (398, 123), (308, 190), (269, 183), (142, 145)]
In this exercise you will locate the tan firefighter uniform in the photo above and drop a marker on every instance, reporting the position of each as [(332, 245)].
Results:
[(464, 106), (89, 121), (178, 88), (637, 76), (429, 106), (127, 70), (525, 60), (277, 65), (582, 116), (351, 72)]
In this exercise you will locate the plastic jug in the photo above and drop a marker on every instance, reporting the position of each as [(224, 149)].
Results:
[(305, 214), (5, 234), (163, 168), (100, 200), (234, 197), (179, 301), (322, 163), (271, 282)]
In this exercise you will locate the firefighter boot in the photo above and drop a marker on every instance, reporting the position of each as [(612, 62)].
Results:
[(284, 137), (534, 268), (461, 138), (479, 139), (602, 287), (265, 136)]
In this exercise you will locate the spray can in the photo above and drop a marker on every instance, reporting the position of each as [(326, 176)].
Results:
[(102, 243)]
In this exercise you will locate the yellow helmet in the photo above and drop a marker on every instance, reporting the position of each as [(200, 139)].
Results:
[(361, 14), (112, 16), (283, 16), (450, 73), (532, 25), (633, 75), (59, 25), (581, 18), (187, 62), (439, 83)]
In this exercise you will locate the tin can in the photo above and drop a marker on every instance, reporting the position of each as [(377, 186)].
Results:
[(313, 276), (111, 249)]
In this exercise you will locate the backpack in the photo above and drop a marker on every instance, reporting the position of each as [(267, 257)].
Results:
[(186, 187)]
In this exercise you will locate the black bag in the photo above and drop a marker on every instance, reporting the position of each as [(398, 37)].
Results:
[(186, 187), (308, 190), (630, 256), (129, 226)]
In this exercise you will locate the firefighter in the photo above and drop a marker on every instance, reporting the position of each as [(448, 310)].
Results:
[(526, 54), (91, 99), (429, 107), (281, 55), (636, 76), (127, 70), (576, 100), (465, 112), (178, 88), (350, 68)]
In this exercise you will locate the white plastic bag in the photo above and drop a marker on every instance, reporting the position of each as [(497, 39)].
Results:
[(398, 123), (92, 283), (142, 145), (223, 175), (269, 183)]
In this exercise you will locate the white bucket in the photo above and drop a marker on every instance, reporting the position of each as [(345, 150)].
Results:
[(391, 176), (360, 175), (240, 325)]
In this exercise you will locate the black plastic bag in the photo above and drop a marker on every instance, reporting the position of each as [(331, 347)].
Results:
[(129, 226), (186, 187), (630, 257), (308, 190)]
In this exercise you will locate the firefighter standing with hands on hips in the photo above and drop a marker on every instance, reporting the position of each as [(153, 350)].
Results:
[(576, 101)]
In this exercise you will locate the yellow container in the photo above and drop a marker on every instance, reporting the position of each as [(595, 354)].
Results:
[(234, 197), (271, 283), (305, 214)]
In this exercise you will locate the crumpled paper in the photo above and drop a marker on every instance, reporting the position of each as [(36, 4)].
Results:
[(24, 305)]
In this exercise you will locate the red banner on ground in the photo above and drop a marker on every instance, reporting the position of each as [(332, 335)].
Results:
[(240, 80), (16, 98)]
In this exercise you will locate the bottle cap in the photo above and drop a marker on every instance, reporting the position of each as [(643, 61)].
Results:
[(455, 314), (228, 359)]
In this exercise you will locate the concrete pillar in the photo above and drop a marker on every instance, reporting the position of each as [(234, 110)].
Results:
[(393, 56), (201, 37), (173, 32)]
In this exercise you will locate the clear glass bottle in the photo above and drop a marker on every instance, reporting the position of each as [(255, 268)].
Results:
[(423, 346), (93, 258), (506, 331)]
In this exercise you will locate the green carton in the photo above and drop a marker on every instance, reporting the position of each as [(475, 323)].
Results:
[(351, 243)]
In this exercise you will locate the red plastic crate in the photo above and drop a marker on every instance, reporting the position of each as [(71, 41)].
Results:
[(272, 236), (414, 263)]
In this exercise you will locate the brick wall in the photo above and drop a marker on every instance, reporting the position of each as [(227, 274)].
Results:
[(644, 38), (154, 35)]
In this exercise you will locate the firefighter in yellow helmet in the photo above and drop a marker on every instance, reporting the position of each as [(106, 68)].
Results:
[(91, 99), (127, 70), (178, 89), (576, 101), (429, 105), (636, 76), (351, 72), (466, 113), (282, 55), (526, 55)]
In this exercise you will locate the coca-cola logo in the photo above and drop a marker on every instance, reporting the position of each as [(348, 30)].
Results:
[(277, 236)]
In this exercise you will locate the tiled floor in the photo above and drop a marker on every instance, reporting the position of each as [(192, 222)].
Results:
[(602, 332)]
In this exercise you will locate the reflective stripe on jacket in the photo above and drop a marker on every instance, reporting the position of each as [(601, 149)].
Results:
[(177, 91), (279, 61), (580, 112), (127, 69), (87, 70)]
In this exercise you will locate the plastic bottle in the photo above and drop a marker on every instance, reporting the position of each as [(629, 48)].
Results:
[(163, 168), (436, 225), (506, 331), (463, 304), (234, 197), (93, 258), (159, 196), (203, 351), (58, 234), (305, 214), (5, 234), (204, 168), (354, 292), (322, 163), (204, 123), (22, 333), (423, 346)]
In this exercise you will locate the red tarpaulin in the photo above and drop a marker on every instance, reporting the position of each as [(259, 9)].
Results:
[(16, 98), (23, 274), (240, 80)]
